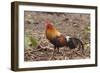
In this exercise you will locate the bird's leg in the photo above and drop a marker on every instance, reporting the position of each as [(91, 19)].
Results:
[(52, 57), (57, 50)]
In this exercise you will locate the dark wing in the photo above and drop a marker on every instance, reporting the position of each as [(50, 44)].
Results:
[(59, 41)]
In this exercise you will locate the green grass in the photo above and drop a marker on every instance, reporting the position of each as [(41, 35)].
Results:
[(30, 41)]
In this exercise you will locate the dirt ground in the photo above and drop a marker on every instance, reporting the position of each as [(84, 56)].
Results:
[(69, 24)]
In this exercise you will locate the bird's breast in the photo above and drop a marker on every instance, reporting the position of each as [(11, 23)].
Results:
[(59, 41)]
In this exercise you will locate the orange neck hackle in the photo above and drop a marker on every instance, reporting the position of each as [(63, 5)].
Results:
[(51, 31)]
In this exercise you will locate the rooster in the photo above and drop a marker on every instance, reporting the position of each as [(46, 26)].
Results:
[(59, 40)]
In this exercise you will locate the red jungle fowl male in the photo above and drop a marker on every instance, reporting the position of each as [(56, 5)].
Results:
[(59, 40)]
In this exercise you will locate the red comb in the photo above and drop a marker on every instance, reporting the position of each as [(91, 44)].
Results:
[(47, 21)]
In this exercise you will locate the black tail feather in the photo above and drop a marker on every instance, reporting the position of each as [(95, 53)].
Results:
[(72, 43), (81, 46)]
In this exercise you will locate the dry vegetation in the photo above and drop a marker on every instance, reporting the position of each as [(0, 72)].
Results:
[(37, 47)]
